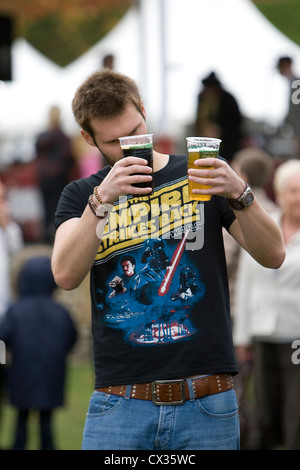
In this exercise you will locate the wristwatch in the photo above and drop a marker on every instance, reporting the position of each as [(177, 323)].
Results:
[(245, 200), (103, 210)]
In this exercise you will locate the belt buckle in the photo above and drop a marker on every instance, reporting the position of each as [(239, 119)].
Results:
[(163, 382)]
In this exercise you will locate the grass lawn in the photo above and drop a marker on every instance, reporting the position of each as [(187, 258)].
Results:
[(68, 421)]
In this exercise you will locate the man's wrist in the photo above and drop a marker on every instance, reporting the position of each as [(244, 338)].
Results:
[(99, 208), (244, 201), (100, 197), (239, 191)]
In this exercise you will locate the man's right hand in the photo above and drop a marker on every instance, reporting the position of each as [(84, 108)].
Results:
[(122, 176)]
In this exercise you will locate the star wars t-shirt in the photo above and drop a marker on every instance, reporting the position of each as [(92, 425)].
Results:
[(159, 289)]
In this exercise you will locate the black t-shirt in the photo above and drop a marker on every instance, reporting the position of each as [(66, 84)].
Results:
[(159, 289)]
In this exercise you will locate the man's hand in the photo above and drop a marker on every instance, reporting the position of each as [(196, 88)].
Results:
[(122, 176), (224, 181)]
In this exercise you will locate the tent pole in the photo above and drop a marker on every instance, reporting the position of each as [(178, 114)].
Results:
[(143, 48), (163, 68)]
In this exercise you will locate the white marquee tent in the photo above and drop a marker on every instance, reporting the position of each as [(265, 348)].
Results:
[(22, 99), (173, 44), (167, 47)]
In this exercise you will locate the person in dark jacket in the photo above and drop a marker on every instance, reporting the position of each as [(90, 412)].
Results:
[(39, 332), (219, 115), (55, 167)]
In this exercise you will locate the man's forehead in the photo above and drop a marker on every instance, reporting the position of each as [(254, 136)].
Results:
[(108, 130)]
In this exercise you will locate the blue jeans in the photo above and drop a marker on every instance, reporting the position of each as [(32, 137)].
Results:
[(121, 423)]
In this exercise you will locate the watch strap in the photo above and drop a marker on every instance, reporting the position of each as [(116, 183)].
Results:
[(241, 203)]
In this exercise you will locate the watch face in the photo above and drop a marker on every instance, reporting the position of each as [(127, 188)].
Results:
[(242, 202), (248, 199)]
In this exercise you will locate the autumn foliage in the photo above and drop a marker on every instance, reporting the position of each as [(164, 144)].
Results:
[(63, 29), (29, 10)]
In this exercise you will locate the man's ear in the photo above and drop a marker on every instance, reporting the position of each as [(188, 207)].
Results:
[(88, 138), (143, 109)]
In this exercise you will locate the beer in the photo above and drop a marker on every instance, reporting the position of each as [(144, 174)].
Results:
[(143, 151), (196, 154), (200, 147), (139, 146)]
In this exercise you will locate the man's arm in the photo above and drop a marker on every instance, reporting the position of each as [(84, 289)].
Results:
[(75, 248), (77, 240), (257, 233), (254, 228)]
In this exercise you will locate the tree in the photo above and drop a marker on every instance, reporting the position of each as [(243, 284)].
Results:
[(63, 29)]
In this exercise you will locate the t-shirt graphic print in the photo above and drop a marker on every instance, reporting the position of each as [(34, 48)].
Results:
[(150, 292)]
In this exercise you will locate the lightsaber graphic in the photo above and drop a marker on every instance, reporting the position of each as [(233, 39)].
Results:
[(165, 285)]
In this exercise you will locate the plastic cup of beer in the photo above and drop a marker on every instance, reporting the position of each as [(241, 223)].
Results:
[(139, 146), (197, 148)]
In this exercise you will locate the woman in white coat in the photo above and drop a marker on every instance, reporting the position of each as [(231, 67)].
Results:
[(267, 323), (11, 241)]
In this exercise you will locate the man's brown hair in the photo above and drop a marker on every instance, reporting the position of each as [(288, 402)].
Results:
[(104, 95)]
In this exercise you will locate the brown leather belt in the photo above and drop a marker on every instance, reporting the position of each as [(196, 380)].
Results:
[(174, 392)]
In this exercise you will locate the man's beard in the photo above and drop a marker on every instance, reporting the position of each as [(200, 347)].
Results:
[(106, 158)]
